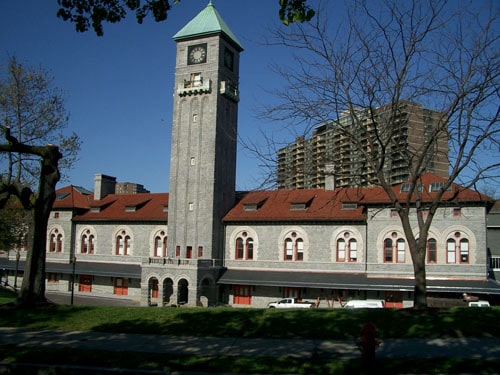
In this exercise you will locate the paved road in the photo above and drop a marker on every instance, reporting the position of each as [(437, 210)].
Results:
[(79, 299), (207, 346)]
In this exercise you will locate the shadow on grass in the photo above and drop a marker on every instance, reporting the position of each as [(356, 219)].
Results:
[(311, 324), (13, 357), (49, 316), (333, 324)]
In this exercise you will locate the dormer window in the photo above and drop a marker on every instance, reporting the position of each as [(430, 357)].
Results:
[(349, 206), (406, 187), (253, 205), (436, 186), (300, 205), (300, 200)]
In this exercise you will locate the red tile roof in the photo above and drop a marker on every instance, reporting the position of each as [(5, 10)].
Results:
[(279, 205), (344, 204), (113, 207), (127, 207), (72, 197), (335, 205)]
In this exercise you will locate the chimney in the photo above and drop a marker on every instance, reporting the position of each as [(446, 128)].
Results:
[(103, 185), (329, 172)]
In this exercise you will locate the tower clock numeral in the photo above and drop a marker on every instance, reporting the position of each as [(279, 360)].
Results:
[(197, 54)]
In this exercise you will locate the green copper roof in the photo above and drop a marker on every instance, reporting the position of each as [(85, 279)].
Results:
[(207, 22)]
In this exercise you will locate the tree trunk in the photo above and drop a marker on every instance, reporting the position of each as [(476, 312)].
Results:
[(420, 289), (33, 287)]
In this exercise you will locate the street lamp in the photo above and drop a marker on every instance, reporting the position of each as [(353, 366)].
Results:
[(18, 255), (73, 261)]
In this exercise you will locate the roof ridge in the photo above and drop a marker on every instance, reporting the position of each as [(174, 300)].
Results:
[(207, 22)]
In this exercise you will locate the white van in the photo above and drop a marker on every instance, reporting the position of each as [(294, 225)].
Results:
[(364, 304), (479, 304)]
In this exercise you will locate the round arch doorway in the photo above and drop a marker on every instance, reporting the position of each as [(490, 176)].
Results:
[(182, 292)]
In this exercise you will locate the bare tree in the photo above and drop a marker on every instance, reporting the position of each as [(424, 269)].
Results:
[(381, 55), (32, 116), (33, 108)]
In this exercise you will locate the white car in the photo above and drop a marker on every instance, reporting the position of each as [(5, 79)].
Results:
[(364, 304), (479, 304)]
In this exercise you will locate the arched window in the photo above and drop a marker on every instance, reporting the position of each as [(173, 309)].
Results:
[(340, 250), (127, 245), (353, 250), (239, 248), (87, 243), (401, 250), (288, 249), (244, 247), (294, 247), (464, 250), (52, 248), (59, 243), (55, 242), (299, 247), (160, 244), (450, 251), (123, 244), (119, 245), (347, 248), (249, 248), (388, 254), (458, 245), (394, 248), (431, 250)]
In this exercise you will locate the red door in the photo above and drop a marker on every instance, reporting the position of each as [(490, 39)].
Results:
[(85, 285), (394, 300), (154, 289), (121, 286), (242, 295)]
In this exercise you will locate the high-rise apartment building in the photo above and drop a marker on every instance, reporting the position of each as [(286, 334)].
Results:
[(337, 154), (130, 188)]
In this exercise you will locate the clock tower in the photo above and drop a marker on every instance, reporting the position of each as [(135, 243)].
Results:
[(203, 151)]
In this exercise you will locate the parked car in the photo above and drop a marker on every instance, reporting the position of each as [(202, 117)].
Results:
[(290, 303), (364, 304), (479, 304)]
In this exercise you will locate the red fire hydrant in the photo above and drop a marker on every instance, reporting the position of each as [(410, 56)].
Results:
[(368, 342)]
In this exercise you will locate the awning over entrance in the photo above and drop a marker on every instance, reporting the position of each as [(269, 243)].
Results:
[(83, 268), (98, 269), (352, 282)]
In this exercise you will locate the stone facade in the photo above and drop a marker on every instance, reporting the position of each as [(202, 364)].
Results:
[(200, 245)]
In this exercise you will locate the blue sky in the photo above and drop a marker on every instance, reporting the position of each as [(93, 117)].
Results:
[(119, 87)]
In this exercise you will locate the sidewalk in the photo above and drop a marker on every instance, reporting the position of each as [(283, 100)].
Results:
[(482, 348)]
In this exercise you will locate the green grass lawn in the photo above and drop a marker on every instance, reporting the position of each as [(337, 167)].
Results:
[(251, 323), (269, 323)]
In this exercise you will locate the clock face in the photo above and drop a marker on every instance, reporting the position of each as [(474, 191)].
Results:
[(228, 59), (197, 54)]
